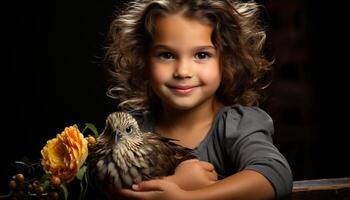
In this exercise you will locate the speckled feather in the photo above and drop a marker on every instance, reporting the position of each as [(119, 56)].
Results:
[(124, 155)]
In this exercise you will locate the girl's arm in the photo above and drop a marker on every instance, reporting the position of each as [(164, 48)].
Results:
[(246, 184), (189, 175)]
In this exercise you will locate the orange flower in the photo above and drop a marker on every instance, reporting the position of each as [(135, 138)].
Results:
[(64, 155)]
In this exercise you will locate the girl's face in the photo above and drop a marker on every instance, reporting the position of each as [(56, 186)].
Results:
[(184, 64)]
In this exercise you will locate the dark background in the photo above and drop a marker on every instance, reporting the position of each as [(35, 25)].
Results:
[(52, 78)]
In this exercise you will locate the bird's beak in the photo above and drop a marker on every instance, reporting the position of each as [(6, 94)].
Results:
[(117, 136)]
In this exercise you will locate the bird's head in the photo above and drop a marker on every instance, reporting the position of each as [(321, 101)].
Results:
[(121, 127)]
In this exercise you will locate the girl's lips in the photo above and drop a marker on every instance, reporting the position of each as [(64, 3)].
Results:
[(183, 89)]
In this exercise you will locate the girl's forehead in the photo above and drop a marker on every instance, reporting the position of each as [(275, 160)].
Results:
[(183, 16), (179, 32), (180, 28)]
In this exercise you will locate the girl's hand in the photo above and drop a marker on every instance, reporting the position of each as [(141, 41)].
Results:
[(189, 175), (193, 174), (156, 190)]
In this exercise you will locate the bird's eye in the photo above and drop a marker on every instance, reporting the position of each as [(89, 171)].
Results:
[(129, 129)]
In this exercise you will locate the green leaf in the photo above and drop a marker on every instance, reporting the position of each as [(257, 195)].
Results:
[(46, 176), (86, 183), (81, 196), (46, 184), (83, 177), (19, 165), (65, 191), (92, 128), (81, 173)]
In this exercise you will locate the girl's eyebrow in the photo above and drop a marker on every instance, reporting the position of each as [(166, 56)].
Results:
[(161, 46), (198, 48)]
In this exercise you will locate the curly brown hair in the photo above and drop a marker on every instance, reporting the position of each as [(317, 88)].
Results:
[(238, 36)]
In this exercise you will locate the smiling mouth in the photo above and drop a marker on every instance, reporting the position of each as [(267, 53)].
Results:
[(182, 89)]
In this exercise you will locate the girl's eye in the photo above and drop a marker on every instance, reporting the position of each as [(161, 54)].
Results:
[(128, 129), (202, 55), (166, 56)]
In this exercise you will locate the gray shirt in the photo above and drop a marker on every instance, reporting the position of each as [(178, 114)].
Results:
[(239, 138)]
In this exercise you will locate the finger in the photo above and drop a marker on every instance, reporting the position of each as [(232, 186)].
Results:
[(212, 176), (126, 194), (207, 166), (188, 161), (216, 175), (212, 182), (151, 185), (130, 194), (122, 191)]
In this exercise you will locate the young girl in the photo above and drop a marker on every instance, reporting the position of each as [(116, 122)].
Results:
[(191, 71)]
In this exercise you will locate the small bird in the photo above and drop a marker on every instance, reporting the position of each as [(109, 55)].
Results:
[(124, 155)]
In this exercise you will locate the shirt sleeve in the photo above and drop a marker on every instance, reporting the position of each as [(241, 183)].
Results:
[(249, 145)]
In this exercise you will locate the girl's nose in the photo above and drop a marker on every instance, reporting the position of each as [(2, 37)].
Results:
[(183, 69)]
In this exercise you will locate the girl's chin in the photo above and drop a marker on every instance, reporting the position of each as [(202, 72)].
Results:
[(183, 104), (180, 106)]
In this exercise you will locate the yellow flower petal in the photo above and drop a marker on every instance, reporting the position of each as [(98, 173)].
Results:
[(64, 155)]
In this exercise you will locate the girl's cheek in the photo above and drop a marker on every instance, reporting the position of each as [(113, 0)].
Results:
[(210, 74), (159, 74)]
